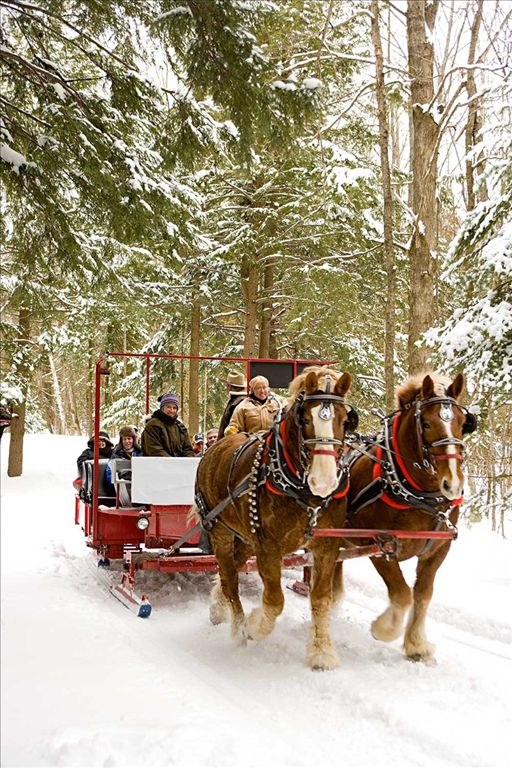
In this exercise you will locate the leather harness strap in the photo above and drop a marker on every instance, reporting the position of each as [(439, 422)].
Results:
[(391, 481)]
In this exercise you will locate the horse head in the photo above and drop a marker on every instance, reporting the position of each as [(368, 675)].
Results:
[(439, 423), (321, 412)]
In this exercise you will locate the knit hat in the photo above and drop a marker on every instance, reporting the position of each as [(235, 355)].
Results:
[(169, 399), (235, 379), (127, 432), (258, 380)]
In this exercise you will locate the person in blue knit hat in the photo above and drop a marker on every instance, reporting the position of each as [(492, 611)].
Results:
[(164, 434)]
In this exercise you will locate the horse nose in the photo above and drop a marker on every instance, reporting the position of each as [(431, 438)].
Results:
[(321, 487), (451, 490)]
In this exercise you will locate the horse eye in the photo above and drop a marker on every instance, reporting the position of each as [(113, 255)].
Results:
[(425, 425)]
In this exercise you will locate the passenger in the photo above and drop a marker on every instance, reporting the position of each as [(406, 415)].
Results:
[(236, 384), (211, 438), (128, 445), (126, 448), (164, 434), (105, 449), (198, 444), (257, 412)]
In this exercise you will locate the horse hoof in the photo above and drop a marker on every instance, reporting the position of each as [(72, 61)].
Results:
[(388, 626), (218, 614), (253, 625), (424, 654), (240, 640), (429, 661), (321, 660)]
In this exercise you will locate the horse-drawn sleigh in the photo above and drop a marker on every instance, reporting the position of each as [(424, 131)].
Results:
[(296, 495)]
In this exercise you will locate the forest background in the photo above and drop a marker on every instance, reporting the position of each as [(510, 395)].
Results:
[(309, 179)]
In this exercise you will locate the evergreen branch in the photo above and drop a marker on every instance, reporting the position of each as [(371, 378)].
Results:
[(57, 33), (19, 5), (44, 74), (24, 112)]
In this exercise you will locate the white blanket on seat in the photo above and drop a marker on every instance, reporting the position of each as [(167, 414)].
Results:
[(163, 480)]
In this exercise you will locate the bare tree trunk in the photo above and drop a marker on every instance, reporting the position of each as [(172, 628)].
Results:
[(45, 399), (249, 277), (72, 403), (420, 17), (473, 125), (57, 392), (266, 311), (193, 382), (389, 343), (15, 463)]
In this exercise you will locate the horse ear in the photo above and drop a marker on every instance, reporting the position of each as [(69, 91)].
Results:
[(456, 386), (427, 388), (311, 383), (343, 384)]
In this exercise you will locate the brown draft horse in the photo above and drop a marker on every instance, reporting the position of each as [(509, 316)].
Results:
[(291, 473), (410, 478)]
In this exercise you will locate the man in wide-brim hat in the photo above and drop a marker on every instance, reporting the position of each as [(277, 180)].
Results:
[(236, 384)]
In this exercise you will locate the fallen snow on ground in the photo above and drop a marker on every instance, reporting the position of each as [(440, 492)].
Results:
[(86, 683)]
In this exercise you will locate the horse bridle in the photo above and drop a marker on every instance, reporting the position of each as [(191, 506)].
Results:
[(326, 413), (446, 414)]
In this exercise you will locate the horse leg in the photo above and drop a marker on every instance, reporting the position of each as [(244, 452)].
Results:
[(389, 625), (338, 587), (416, 645), (261, 621), (321, 651), (219, 609), (223, 547)]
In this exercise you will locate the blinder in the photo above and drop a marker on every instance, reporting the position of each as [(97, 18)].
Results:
[(470, 424), (352, 421)]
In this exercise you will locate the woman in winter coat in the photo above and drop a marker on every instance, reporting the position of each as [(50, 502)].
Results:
[(257, 412), (126, 448)]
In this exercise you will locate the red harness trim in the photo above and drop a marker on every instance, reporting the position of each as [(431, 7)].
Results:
[(390, 502), (272, 489), (376, 474), (344, 492), (399, 459), (324, 452)]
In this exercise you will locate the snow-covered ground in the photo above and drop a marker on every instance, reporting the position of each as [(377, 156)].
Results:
[(86, 683)]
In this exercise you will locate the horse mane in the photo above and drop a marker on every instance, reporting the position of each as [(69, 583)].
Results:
[(298, 382), (410, 389)]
